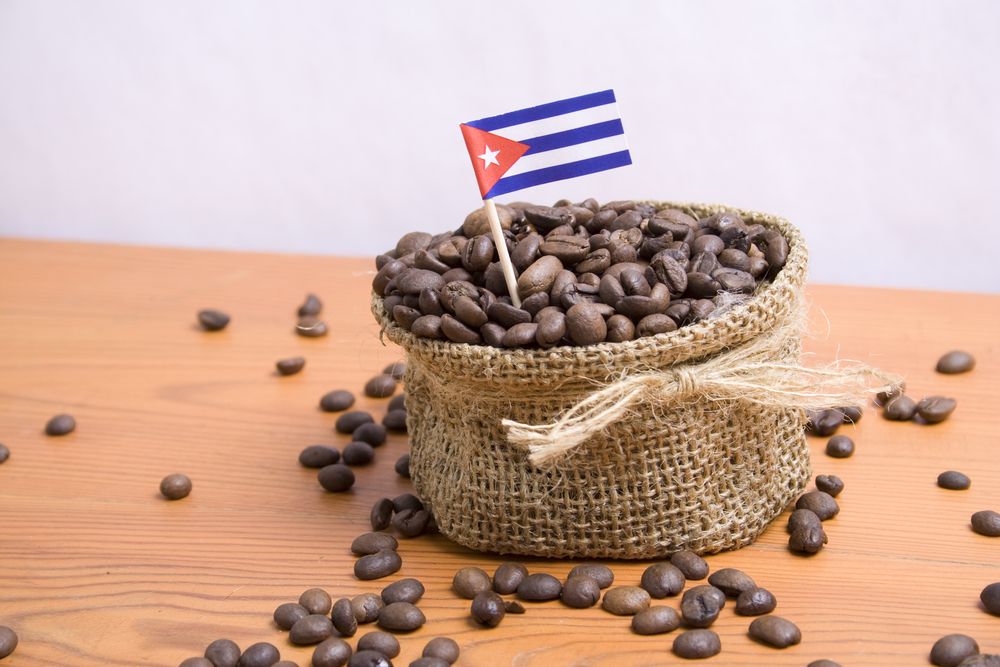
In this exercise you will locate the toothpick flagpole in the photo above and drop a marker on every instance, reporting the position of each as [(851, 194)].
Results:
[(501, 244)]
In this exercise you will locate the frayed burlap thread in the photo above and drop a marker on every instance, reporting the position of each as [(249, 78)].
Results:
[(674, 455)]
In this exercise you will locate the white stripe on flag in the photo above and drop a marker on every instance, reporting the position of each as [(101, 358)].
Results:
[(569, 121), (569, 154)]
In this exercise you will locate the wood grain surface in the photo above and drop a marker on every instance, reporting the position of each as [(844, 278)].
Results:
[(97, 569)]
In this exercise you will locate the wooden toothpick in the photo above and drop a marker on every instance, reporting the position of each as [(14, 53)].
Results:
[(501, 244)]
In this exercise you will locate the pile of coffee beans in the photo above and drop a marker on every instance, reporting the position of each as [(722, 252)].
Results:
[(587, 273), (406, 513), (805, 525)]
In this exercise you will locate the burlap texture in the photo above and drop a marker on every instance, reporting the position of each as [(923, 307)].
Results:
[(699, 475)]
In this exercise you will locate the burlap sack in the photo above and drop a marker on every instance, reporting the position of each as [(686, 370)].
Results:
[(677, 473)]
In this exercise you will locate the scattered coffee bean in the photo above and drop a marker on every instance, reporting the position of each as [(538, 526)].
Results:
[(839, 447), (981, 660), (358, 454), (175, 486), (336, 478), (318, 456), (381, 514), (332, 652), (830, 484), (377, 565), (807, 540), (470, 581), (662, 580), (755, 602), (823, 663), (889, 393), (196, 662), (955, 361), (371, 543), (397, 402), (819, 502), (731, 581), (212, 320), (700, 605), (395, 421), (691, 564), (852, 414), (8, 641), (488, 608), (935, 409), (60, 425), (311, 307), (990, 597), (396, 369), (803, 518), (350, 421), (316, 601), (986, 522), (383, 642), (401, 617), (4, 452), (625, 600), (602, 574), (951, 650), (311, 327), (429, 662), (336, 400), (260, 654), (404, 590), (444, 648), (287, 614), (402, 466), (411, 523), (372, 433), (775, 631), (697, 644), (900, 409), (290, 366), (367, 607), (312, 629), (539, 587), (508, 576), (407, 501), (369, 659), (953, 480), (223, 653), (344, 620), (656, 620), (824, 422), (380, 386), (581, 592), (513, 607)]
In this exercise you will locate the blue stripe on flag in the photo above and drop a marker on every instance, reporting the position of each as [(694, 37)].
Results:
[(580, 135), (544, 111), (560, 172)]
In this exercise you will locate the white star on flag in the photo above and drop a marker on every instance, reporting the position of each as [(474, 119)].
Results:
[(489, 157)]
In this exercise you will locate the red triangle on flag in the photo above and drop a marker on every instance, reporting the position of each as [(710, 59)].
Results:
[(491, 154)]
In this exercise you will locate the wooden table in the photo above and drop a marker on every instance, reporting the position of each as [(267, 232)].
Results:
[(97, 569)]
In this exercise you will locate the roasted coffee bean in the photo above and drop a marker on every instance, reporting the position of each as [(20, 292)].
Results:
[(492, 334), (731, 581), (444, 648), (470, 581), (371, 433), (175, 487), (701, 285), (568, 249), (196, 662), (318, 456), (507, 315), (700, 605), (402, 465), (369, 659), (488, 608), (955, 361), (824, 422), (852, 414), (377, 565), (401, 617), (539, 587), (819, 502), (551, 328), (580, 592), (405, 315), (900, 409), (602, 574), (380, 386), (381, 514), (260, 654), (429, 662), (775, 250), (692, 565), (336, 478), (428, 326), (332, 652), (316, 601), (223, 653), (803, 518), (620, 329), (656, 323), (526, 251), (310, 327), (212, 320), (395, 420), (539, 276), (662, 580), (358, 454), (954, 480), (935, 409), (336, 400), (8, 641), (404, 590), (839, 447), (366, 607), (890, 392), (383, 642), (625, 600), (312, 306), (990, 597), (734, 281), (286, 615), (513, 607), (755, 602), (350, 421), (807, 540), (412, 242), (507, 577), (290, 366), (397, 402), (520, 335), (707, 243), (823, 663), (371, 543), (4, 452), (830, 484), (697, 644), (60, 425), (951, 650), (986, 522), (412, 281), (775, 631), (701, 309), (312, 629), (407, 501), (585, 325), (469, 313), (981, 660), (343, 618), (656, 620), (457, 332)]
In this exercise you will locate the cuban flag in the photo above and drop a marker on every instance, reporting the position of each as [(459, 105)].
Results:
[(551, 142)]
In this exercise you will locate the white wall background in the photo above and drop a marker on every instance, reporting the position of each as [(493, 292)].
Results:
[(330, 127)]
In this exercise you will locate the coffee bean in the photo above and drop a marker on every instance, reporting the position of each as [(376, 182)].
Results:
[(404, 590), (8, 641), (807, 540), (428, 326), (539, 276), (379, 641), (935, 409), (803, 518), (824, 422), (350, 421), (585, 325), (371, 433), (212, 320), (470, 581), (656, 323), (407, 501), (900, 409), (196, 662), (692, 565), (839, 447), (656, 620), (260, 654), (366, 607), (955, 361), (852, 414), (311, 327), (953, 480), (823, 663), (402, 466), (60, 425), (981, 660), (380, 386), (508, 576), (620, 329), (625, 600), (700, 605), (377, 565), (312, 629), (662, 580), (369, 659), (539, 587), (336, 478), (4, 452), (332, 652), (580, 592), (401, 616), (986, 522), (316, 601), (371, 543), (397, 402), (830, 484), (889, 392), (318, 456), (395, 420), (175, 486), (697, 644), (223, 653), (336, 400), (755, 602), (520, 335), (429, 662), (358, 454), (381, 514), (513, 607), (775, 631), (951, 650), (343, 618), (602, 574), (443, 648), (286, 615), (990, 597), (731, 581), (290, 366), (819, 502), (488, 608)]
